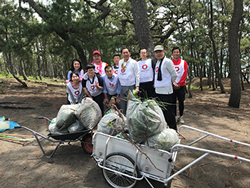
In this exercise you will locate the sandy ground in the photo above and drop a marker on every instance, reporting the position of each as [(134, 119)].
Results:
[(23, 165)]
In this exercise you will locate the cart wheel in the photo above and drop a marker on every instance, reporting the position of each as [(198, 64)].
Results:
[(122, 163), (86, 143)]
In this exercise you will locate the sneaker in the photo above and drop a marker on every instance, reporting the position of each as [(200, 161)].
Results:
[(176, 119), (181, 120)]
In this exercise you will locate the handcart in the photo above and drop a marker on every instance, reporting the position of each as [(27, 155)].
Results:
[(123, 164), (85, 137)]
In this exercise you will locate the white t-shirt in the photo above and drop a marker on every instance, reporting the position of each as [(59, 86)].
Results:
[(146, 71), (115, 69), (131, 75), (90, 85), (168, 77), (75, 92)]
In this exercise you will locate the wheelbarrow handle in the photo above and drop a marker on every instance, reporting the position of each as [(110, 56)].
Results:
[(47, 119)]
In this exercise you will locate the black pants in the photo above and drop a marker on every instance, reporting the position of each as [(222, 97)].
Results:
[(147, 90), (123, 95), (99, 100), (180, 95), (169, 109)]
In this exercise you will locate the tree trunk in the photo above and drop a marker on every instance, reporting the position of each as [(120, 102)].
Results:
[(241, 80), (215, 50), (201, 86), (141, 24), (38, 61), (8, 59), (209, 76), (190, 80), (190, 74), (21, 70), (15, 66), (45, 63), (212, 75), (234, 55), (245, 77), (204, 71)]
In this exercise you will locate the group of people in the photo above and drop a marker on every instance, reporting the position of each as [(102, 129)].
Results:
[(163, 80)]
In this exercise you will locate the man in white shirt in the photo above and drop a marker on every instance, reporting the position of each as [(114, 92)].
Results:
[(165, 76), (129, 77), (147, 67)]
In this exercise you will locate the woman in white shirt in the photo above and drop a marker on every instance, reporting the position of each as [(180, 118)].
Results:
[(74, 89)]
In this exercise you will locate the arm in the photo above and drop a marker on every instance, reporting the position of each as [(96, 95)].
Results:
[(85, 89), (99, 84), (153, 64), (118, 91), (68, 76), (87, 92), (81, 73), (104, 85), (176, 86), (106, 100), (170, 68), (137, 75), (184, 76)]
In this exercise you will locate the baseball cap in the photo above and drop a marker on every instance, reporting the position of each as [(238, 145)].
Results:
[(96, 52), (158, 48)]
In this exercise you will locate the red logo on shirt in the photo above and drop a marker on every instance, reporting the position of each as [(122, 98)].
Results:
[(92, 87), (111, 84), (115, 71), (177, 69), (156, 69), (77, 92), (98, 68), (144, 67), (122, 71)]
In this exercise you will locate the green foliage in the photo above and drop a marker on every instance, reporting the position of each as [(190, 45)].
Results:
[(72, 26), (197, 88), (4, 74)]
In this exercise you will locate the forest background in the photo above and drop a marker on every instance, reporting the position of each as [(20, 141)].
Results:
[(40, 38)]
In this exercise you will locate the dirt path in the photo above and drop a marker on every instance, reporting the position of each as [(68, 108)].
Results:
[(25, 166)]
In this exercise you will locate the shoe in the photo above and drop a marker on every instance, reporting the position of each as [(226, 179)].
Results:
[(176, 119), (181, 120)]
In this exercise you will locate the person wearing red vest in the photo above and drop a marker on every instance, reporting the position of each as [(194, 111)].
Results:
[(180, 82), (99, 65)]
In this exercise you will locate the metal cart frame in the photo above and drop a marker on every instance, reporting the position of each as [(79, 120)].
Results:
[(85, 137), (112, 155)]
